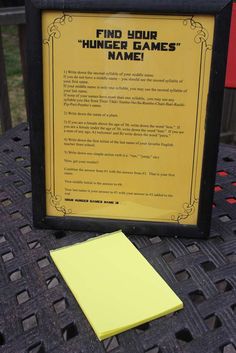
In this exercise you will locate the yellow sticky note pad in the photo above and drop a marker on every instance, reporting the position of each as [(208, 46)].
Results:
[(114, 284)]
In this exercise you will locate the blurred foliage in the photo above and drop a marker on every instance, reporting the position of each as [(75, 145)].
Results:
[(14, 73)]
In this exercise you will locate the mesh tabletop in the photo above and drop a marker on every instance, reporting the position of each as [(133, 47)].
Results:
[(38, 313)]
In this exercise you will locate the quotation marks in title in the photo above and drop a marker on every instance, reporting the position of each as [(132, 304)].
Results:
[(129, 46)]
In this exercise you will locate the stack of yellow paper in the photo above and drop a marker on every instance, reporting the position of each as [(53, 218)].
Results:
[(114, 284)]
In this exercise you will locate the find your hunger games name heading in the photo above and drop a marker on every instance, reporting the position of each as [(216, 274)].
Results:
[(123, 49)]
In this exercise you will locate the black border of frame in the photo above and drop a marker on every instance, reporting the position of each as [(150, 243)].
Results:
[(221, 9)]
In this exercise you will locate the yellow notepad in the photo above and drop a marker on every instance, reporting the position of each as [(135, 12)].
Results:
[(114, 284)]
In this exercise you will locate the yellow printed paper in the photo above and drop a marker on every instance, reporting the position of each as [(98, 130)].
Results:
[(125, 99), (114, 284)]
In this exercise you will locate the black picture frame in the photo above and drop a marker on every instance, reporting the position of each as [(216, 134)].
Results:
[(221, 9)]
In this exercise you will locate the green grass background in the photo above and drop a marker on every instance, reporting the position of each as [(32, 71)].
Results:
[(14, 73)]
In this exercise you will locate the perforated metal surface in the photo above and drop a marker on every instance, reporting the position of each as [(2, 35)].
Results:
[(38, 313)]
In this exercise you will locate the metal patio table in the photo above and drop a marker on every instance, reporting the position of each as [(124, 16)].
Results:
[(38, 313)]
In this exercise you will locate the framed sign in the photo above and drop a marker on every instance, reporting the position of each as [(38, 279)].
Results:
[(125, 108)]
